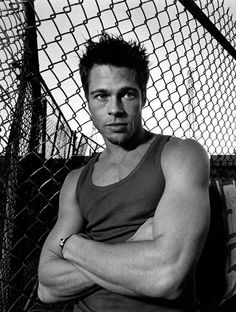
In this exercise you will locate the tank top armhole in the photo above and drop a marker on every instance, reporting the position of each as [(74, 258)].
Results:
[(164, 140), (88, 167)]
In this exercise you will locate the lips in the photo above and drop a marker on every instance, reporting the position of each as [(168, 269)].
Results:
[(117, 126)]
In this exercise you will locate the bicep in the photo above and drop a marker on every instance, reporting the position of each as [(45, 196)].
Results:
[(182, 217), (183, 220), (69, 220)]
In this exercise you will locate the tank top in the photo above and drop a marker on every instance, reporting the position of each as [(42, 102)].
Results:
[(113, 213)]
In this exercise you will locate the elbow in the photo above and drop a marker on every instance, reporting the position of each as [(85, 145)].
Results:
[(170, 288), (45, 292), (42, 294), (45, 295), (175, 284), (166, 285)]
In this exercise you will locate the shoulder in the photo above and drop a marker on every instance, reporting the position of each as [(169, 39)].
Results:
[(68, 202), (73, 175), (71, 180), (180, 149), (185, 156)]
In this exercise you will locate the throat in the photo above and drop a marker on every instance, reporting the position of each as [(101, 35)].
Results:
[(117, 155), (109, 170)]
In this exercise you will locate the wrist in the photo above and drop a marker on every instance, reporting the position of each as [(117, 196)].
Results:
[(65, 245), (63, 241), (72, 243)]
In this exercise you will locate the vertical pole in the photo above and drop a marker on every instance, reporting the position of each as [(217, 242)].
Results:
[(32, 60), (44, 127), (74, 140), (10, 176), (55, 136), (8, 199)]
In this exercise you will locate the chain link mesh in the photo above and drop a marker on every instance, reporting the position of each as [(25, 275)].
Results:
[(45, 125)]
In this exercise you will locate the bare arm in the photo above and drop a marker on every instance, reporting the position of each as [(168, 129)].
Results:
[(159, 267), (59, 279)]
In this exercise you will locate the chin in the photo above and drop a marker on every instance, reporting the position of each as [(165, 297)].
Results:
[(118, 140)]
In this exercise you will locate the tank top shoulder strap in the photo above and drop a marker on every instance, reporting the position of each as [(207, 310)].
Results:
[(161, 141), (156, 152), (86, 171)]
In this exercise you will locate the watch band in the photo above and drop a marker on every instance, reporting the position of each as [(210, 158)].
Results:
[(63, 241)]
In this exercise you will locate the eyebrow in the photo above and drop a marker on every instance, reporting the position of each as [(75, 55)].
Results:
[(122, 90), (98, 91)]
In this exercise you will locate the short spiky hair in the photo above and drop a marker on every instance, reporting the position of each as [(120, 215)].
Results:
[(113, 50)]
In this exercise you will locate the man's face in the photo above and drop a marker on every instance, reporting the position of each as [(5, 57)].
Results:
[(115, 102)]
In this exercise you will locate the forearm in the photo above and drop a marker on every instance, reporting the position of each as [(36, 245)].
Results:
[(110, 285), (127, 268), (60, 280)]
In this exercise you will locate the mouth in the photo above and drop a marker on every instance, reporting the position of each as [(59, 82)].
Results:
[(117, 126)]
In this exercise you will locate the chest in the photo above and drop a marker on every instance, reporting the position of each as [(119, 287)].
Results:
[(107, 173), (114, 212)]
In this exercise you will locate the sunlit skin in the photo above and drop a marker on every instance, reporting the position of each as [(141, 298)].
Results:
[(115, 102)]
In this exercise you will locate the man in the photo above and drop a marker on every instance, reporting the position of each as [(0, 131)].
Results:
[(133, 222)]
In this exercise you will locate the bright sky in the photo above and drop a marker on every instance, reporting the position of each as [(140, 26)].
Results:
[(232, 5)]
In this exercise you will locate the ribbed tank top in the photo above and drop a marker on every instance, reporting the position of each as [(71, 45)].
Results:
[(113, 213)]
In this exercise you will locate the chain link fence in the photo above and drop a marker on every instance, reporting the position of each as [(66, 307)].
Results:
[(45, 125)]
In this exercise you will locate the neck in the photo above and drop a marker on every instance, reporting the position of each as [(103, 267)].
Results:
[(118, 152)]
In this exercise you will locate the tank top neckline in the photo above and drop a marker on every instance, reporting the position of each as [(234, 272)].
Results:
[(131, 174)]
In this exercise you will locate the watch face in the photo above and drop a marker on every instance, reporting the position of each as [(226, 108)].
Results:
[(62, 243)]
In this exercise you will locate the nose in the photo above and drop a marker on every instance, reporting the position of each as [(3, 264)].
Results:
[(116, 107)]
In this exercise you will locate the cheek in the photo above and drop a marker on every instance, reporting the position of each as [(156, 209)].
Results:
[(134, 110), (97, 117)]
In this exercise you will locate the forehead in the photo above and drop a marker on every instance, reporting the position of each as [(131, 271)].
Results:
[(107, 76)]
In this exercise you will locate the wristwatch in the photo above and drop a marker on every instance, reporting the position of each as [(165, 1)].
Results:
[(63, 241)]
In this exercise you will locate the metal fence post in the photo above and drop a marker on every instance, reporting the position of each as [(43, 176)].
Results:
[(28, 79)]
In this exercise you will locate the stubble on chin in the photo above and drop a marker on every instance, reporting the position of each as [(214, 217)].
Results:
[(116, 141)]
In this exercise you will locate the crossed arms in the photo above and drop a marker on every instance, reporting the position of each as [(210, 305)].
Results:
[(157, 261)]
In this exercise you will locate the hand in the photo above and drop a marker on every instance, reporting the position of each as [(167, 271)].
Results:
[(145, 232), (71, 237)]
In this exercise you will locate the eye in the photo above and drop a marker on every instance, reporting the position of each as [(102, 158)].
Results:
[(101, 96), (129, 95)]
